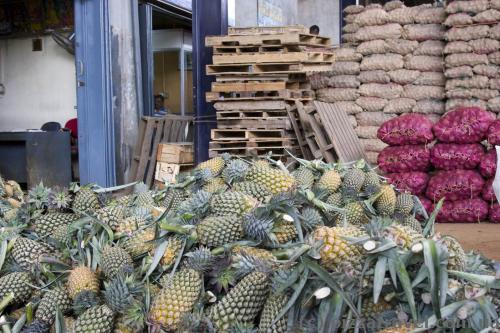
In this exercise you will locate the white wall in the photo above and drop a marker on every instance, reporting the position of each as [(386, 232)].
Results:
[(39, 86)]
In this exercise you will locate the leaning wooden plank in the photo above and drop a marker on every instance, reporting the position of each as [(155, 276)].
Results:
[(337, 126), (299, 131)]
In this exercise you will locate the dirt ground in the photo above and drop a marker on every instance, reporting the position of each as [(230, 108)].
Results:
[(483, 237)]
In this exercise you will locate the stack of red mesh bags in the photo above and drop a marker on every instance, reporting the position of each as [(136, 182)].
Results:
[(456, 167)]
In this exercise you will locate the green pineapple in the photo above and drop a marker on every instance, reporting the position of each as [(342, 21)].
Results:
[(231, 203), (85, 201), (172, 251), (98, 319), (374, 311), (215, 185), (129, 225), (405, 237), (173, 198), (53, 300), (27, 252), (115, 260), (17, 283), (144, 199), (48, 223), (216, 231), (404, 204), (242, 303), (284, 230), (274, 180), (353, 182), (274, 304), (63, 235), (121, 293), (304, 177), (140, 242), (111, 215), (197, 205), (457, 259), (235, 171), (252, 189), (82, 279), (330, 181), (411, 222), (214, 165), (386, 202), (355, 214), (371, 185)]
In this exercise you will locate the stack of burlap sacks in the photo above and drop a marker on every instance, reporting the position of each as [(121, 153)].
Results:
[(391, 63), (473, 54)]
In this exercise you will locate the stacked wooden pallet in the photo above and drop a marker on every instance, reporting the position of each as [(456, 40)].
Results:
[(259, 74)]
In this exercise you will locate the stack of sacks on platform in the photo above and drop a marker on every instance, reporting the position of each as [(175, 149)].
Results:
[(487, 168), (473, 54), (407, 158)]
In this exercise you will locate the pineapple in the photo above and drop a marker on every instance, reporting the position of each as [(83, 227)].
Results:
[(255, 252), (284, 230), (311, 219), (17, 283), (176, 299), (122, 293), (144, 199), (411, 222), (27, 252), (371, 185), (48, 223), (85, 201), (304, 177), (53, 300), (140, 242), (98, 319), (372, 310), (252, 189), (174, 198), (272, 308), (115, 260), (111, 215), (82, 279), (336, 250), (197, 205), (457, 259), (385, 204), (261, 163), (404, 204), (129, 225), (214, 165), (353, 182), (216, 231), (275, 181), (215, 185), (172, 251), (405, 237), (69, 324), (243, 303), (398, 329), (63, 235), (355, 214), (231, 203), (336, 200), (235, 171), (330, 181)]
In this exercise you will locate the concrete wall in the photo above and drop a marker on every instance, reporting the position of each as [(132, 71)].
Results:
[(324, 13), (39, 86)]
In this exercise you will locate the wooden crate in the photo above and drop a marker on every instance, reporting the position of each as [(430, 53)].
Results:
[(167, 172), (180, 153)]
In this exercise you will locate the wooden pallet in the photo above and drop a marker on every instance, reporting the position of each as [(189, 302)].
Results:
[(152, 131), (269, 144), (250, 105), (269, 39), (219, 134), (246, 152), (239, 31), (273, 57), (255, 123), (293, 116), (268, 68), (251, 114), (242, 49), (248, 86), (329, 133), (288, 94)]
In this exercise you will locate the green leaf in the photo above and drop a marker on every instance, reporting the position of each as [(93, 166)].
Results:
[(429, 226), (18, 326), (294, 297), (59, 324), (431, 260), (404, 278), (378, 278), (446, 312), (114, 188), (483, 280), (159, 252), (392, 272), (3, 252), (423, 273)]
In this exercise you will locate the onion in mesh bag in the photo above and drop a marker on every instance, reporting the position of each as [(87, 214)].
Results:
[(488, 166), (457, 47), (467, 6), (401, 46), (458, 19), (469, 211), (488, 194), (371, 104), (467, 33), (404, 159), (488, 16), (377, 46), (400, 105), (413, 182), (386, 31), (430, 48), (484, 45), (452, 104), (431, 15), (403, 76), (375, 16), (490, 71), (494, 216), (374, 77), (408, 129), (429, 106), (454, 185), (423, 32), (463, 125), (458, 72), (451, 156), (424, 63), (494, 133)]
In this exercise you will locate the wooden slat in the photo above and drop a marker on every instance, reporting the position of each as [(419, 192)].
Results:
[(272, 57), (299, 131), (247, 86)]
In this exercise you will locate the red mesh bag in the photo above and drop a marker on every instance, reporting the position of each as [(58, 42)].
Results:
[(488, 194), (463, 125), (494, 216), (454, 185), (467, 211), (488, 166), (494, 133), (413, 182), (404, 159), (409, 129), (451, 156)]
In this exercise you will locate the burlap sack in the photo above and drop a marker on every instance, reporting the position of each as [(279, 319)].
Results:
[(401, 46), (423, 92), (350, 28), (476, 81), (431, 15), (430, 79), (346, 54), (345, 68), (434, 118), (330, 95), (468, 59), (490, 71), (385, 62), (366, 132), (429, 106), (374, 77), (344, 81), (319, 80), (386, 31), (395, 4), (353, 9), (371, 157), (374, 6), (371, 104), (457, 47), (495, 4), (484, 45), (424, 63), (430, 48), (349, 107), (373, 145), (375, 16), (467, 6), (458, 19), (403, 15), (403, 76), (459, 72), (494, 104), (488, 16), (495, 84), (350, 18), (387, 91), (400, 105), (467, 33), (455, 103), (495, 31), (377, 46), (349, 38), (494, 58), (422, 32), (373, 118), (484, 94), (353, 121), (459, 93)]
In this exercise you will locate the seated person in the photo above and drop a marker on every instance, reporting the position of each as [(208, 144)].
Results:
[(160, 109)]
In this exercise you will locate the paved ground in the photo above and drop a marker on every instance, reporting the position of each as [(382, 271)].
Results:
[(483, 237)]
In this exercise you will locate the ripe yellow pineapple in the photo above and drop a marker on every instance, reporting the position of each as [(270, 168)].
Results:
[(81, 279), (330, 180), (274, 180), (214, 165), (386, 202), (405, 237)]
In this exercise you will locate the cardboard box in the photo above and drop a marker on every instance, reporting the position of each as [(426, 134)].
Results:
[(167, 172), (178, 153)]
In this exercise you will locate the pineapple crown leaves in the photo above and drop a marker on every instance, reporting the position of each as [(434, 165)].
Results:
[(244, 265), (197, 206), (239, 327), (259, 228), (235, 171), (39, 196), (122, 292), (196, 321), (60, 199), (200, 259), (222, 275)]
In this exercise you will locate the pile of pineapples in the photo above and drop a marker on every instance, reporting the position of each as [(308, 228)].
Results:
[(237, 246)]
